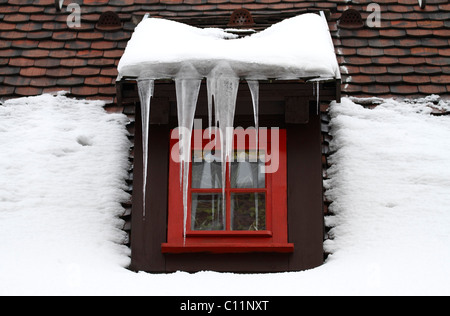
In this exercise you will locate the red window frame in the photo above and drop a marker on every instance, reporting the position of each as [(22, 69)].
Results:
[(273, 239)]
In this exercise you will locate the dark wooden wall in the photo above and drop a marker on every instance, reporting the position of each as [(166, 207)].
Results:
[(289, 105)]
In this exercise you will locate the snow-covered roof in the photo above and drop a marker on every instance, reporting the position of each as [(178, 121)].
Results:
[(64, 161), (299, 47)]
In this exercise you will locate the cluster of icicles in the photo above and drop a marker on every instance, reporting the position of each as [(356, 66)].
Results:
[(222, 86)]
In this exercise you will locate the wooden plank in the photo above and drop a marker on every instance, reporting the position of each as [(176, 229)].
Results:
[(159, 110), (338, 90), (149, 232), (305, 209), (297, 110), (228, 248), (237, 262), (270, 90)]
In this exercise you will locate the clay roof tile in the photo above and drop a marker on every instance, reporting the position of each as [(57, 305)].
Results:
[(408, 55)]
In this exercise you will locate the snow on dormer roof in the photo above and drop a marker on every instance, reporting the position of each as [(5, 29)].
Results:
[(299, 47)]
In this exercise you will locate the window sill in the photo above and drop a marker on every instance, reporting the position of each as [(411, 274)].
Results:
[(205, 233), (227, 248)]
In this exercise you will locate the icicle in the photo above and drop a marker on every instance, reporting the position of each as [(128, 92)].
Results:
[(257, 210), (210, 90), (187, 89), (146, 88), (318, 96), (224, 85), (254, 90), (211, 85)]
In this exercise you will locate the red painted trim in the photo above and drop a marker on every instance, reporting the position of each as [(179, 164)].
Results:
[(233, 233), (227, 248), (273, 239)]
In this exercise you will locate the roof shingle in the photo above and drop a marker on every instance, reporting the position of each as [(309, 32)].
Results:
[(407, 55)]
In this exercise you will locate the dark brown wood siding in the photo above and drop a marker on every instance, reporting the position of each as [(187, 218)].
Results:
[(305, 209)]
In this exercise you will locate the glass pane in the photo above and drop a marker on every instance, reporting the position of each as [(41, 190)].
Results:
[(207, 212), (247, 171), (206, 170), (248, 211)]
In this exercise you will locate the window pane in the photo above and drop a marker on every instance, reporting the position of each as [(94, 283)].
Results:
[(206, 170), (247, 170), (207, 212), (248, 211)]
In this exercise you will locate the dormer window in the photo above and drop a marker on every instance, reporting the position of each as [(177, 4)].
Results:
[(241, 18), (224, 204), (351, 19), (109, 21), (248, 215)]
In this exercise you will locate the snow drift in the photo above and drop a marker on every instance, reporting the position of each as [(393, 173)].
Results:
[(62, 167)]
